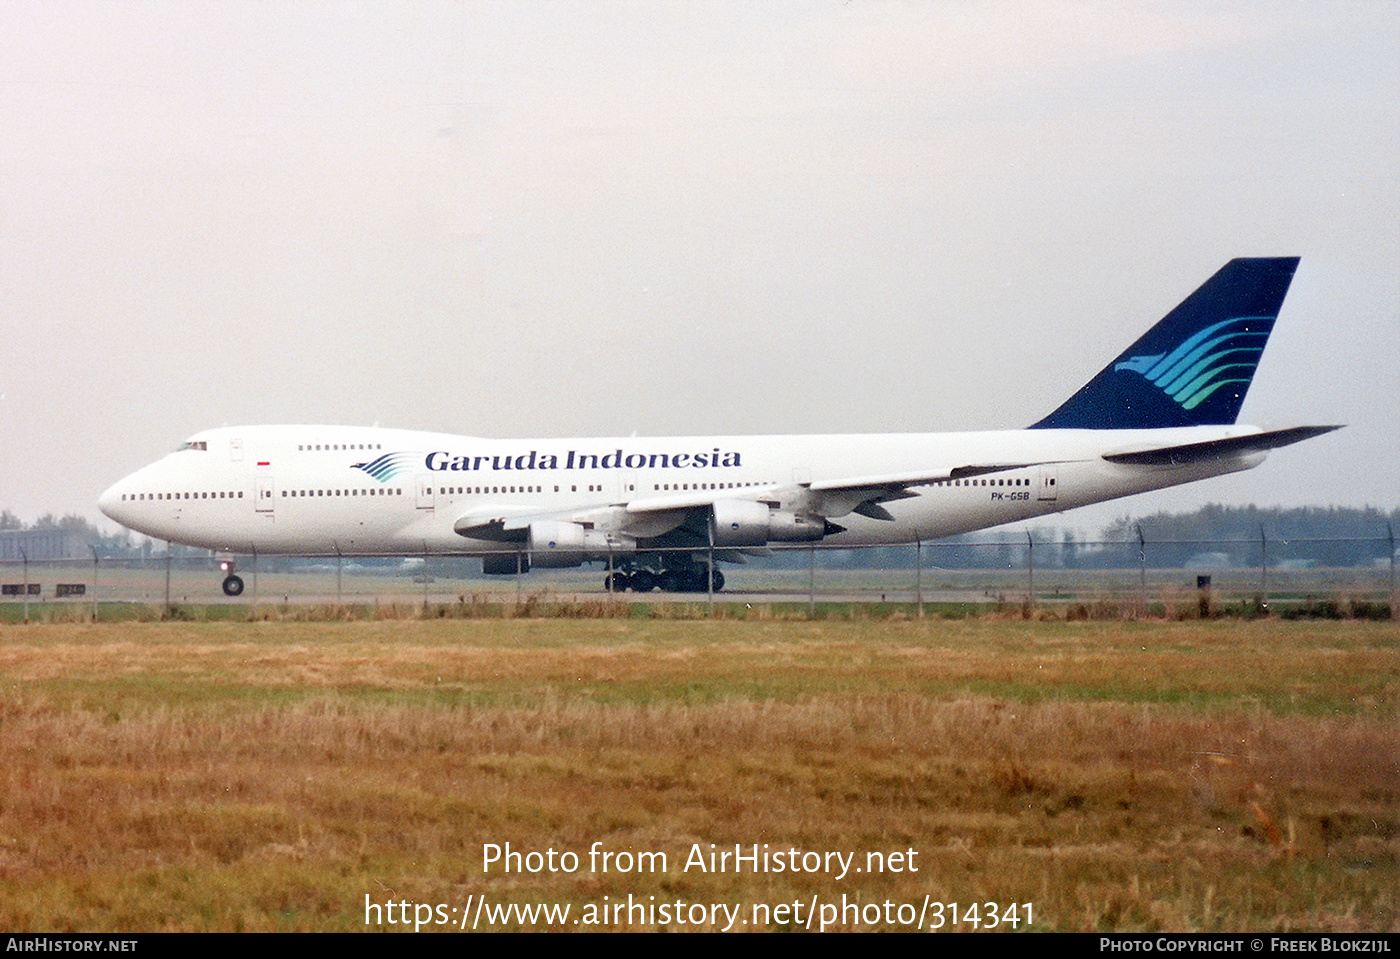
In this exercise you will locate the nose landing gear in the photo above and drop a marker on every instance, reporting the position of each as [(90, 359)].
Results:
[(233, 583)]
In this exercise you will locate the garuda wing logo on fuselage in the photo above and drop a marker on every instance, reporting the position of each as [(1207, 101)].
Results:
[(1220, 355), (387, 466)]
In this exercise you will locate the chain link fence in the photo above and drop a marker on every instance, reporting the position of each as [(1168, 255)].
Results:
[(1341, 576)]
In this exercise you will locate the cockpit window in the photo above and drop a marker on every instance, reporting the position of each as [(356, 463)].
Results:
[(193, 445)]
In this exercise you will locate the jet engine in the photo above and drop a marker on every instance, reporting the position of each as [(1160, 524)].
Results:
[(556, 545), (747, 523)]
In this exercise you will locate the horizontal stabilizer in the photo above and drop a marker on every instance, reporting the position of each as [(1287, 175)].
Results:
[(1187, 453)]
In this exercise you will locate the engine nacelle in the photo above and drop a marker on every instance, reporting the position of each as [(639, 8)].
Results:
[(555, 545), (746, 523)]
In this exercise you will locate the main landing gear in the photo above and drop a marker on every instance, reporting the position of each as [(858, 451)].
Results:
[(689, 578), (233, 583)]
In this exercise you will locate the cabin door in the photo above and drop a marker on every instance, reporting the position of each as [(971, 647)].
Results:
[(426, 495), (264, 489)]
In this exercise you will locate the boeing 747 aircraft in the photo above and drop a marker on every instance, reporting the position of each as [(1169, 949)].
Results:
[(658, 511)]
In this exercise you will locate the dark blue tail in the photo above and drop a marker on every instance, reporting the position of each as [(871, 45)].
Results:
[(1193, 368)]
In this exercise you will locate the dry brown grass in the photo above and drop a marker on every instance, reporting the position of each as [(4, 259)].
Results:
[(268, 776)]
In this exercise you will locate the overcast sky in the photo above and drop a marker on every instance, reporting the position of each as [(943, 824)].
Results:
[(593, 218)]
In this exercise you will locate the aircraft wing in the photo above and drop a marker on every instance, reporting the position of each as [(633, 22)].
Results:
[(504, 523), (652, 516), (648, 517), (864, 494), (511, 524)]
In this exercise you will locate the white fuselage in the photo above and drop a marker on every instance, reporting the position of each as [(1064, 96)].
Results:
[(297, 489)]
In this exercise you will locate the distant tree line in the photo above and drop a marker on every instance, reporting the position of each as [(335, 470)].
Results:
[(1246, 535), (121, 544), (1214, 535)]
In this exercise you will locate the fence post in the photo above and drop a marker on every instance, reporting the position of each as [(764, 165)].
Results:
[(1030, 574), (1390, 529), (1263, 567), (1142, 571), (919, 575), (94, 582), (710, 567)]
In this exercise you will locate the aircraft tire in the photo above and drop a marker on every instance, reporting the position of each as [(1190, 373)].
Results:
[(643, 581), (233, 586), (616, 582)]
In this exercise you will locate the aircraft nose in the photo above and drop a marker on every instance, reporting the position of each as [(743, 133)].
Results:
[(110, 502)]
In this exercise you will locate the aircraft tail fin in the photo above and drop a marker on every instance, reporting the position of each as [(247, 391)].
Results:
[(1194, 367)]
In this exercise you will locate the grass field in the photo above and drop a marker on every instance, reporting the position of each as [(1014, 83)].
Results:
[(282, 775)]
